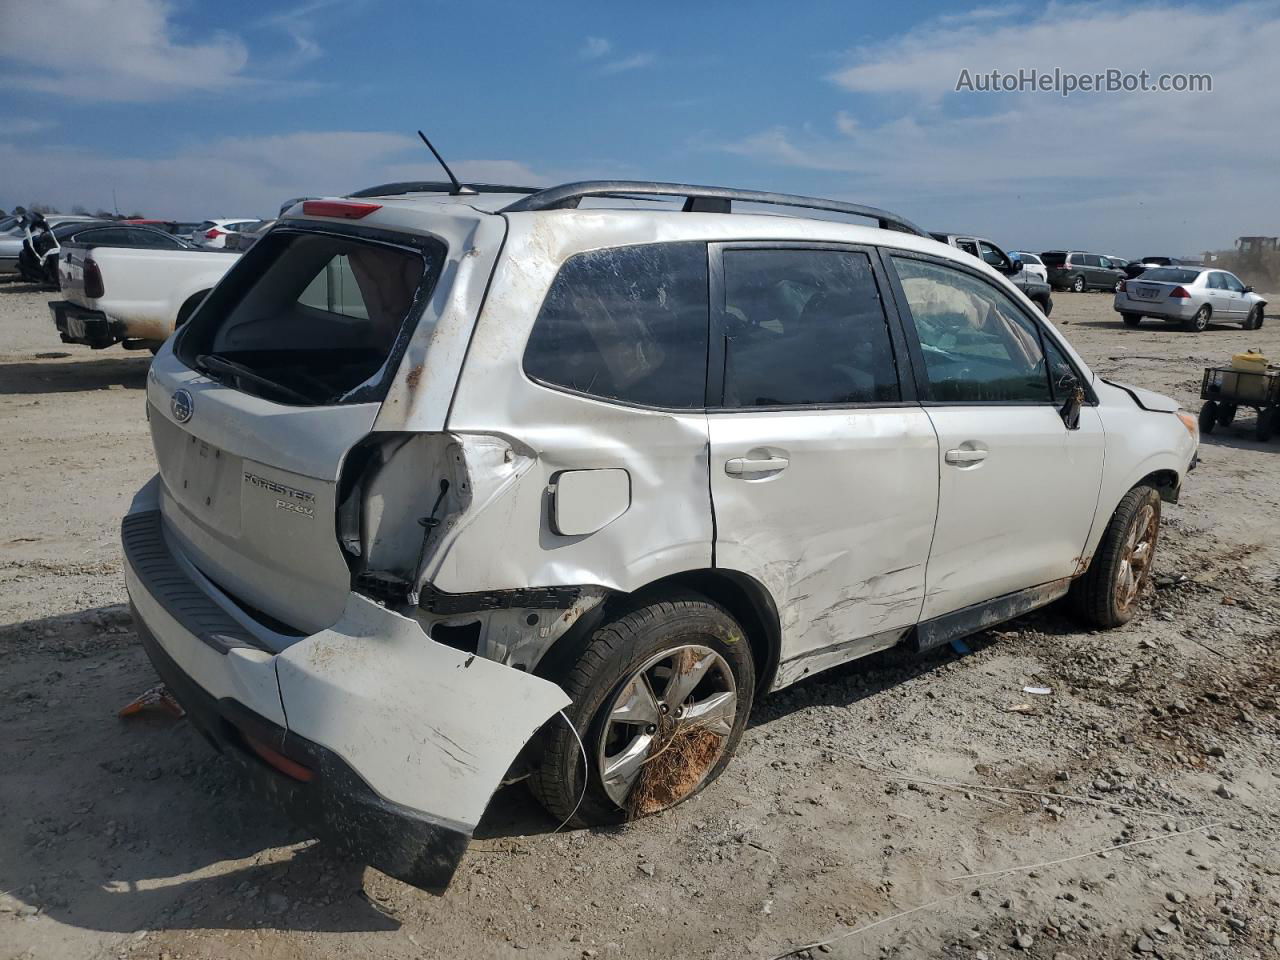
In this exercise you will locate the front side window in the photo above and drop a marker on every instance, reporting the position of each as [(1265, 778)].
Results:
[(312, 318), (992, 256), (626, 323), (978, 346), (1232, 283), (804, 327)]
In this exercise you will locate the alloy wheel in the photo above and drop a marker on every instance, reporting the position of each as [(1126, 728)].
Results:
[(1135, 561), (666, 728)]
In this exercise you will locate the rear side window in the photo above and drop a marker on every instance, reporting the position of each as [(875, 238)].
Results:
[(805, 327), (628, 324), (1170, 275), (978, 347), (312, 318)]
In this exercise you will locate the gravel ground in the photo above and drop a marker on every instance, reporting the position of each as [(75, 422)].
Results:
[(877, 790)]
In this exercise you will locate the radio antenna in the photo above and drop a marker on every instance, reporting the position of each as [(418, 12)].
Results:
[(459, 189)]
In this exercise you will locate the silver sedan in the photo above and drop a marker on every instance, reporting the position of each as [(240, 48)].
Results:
[(1191, 296)]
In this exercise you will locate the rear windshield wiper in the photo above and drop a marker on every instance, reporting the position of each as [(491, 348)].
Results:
[(212, 363)]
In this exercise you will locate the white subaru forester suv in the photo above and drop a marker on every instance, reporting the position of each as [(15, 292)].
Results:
[(462, 485)]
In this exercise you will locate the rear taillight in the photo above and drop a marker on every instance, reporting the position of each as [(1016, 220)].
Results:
[(343, 209), (1122, 287), (94, 288), (1179, 293), (213, 234)]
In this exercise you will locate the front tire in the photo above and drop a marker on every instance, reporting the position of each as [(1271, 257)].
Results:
[(1078, 285), (1254, 320), (1131, 319), (1198, 323), (1107, 595), (661, 696)]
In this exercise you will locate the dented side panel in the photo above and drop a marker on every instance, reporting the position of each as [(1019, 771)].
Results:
[(425, 725), (840, 537)]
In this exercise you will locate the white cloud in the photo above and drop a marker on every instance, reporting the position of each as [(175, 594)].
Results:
[(596, 49), (236, 176), (23, 126), (593, 48), (112, 50), (633, 62), (1116, 170)]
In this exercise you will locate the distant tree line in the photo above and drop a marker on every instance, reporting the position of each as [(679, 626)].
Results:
[(79, 210)]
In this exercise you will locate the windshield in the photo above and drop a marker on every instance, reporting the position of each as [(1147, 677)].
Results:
[(1171, 275), (313, 318)]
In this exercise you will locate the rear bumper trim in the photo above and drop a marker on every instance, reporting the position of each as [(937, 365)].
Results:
[(154, 564), (336, 803)]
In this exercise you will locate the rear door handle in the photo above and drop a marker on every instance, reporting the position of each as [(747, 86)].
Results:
[(965, 456), (749, 467)]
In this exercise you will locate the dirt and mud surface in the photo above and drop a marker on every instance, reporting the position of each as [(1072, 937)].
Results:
[(926, 808)]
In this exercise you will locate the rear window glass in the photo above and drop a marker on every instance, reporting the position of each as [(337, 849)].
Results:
[(1053, 259), (1171, 275), (626, 323), (312, 318)]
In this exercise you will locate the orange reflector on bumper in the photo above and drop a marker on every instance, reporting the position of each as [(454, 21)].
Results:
[(290, 768)]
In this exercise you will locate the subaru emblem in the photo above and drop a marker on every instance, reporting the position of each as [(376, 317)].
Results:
[(182, 406)]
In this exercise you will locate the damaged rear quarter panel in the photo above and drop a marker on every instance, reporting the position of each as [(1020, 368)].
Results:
[(425, 725), (508, 543)]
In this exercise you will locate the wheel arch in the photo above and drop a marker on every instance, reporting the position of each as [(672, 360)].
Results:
[(746, 599)]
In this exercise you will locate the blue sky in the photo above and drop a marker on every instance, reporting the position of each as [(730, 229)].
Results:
[(193, 109)]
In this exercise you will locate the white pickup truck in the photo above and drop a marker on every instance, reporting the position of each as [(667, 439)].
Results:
[(130, 296)]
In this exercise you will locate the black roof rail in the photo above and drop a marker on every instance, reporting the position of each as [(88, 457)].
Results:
[(699, 199), (436, 186)]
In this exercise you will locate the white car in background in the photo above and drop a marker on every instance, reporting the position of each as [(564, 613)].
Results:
[(1032, 264), (1192, 296), (213, 233)]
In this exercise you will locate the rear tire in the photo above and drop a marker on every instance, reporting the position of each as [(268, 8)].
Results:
[(610, 674), (1208, 416), (1198, 323), (1226, 414), (1131, 319), (1108, 593), (1078, 285)]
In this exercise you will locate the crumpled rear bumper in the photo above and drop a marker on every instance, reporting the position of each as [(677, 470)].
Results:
[(378, 739), (336, 804)]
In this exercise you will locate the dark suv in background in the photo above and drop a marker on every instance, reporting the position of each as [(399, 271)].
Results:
[(1074, 270), (1037, 290)]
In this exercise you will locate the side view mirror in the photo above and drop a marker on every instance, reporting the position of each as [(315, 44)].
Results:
[(1248, 289), (1070, 410), (1011, 266)]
